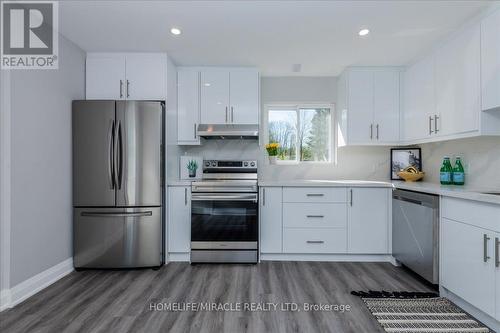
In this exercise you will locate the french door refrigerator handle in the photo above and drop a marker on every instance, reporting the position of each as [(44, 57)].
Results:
[(111, 166), (117, 165), (112, 214)]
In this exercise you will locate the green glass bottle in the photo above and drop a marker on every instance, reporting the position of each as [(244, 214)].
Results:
[(445, 174), (458, 172)]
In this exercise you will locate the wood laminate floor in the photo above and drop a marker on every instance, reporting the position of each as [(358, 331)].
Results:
[(120, 301)]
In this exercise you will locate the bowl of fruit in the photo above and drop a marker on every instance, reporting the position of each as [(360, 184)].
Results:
[(411, 174)]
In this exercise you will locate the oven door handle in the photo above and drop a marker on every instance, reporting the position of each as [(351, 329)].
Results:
[(224, 197)]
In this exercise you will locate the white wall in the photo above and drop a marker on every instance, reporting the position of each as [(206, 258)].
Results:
[(41, 194), (481, 157), (4, 187)]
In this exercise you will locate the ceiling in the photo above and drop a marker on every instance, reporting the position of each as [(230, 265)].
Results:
[(271, 35)]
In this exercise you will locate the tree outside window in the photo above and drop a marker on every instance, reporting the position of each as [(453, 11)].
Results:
[(303, 132)]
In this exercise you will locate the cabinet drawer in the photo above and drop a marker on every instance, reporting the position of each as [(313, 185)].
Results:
[(480, 214), (315, 215), (314, 194), (314, 240)]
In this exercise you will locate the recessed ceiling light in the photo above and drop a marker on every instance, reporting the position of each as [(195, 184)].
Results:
[(175, 31), (363, 32)]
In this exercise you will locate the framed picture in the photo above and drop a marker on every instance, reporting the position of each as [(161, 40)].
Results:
[(404, 157), (191, 167)]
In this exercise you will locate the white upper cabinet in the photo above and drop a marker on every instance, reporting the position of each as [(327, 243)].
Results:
[(105, 76), (386, 106), (369, 106), (229, 96), (458, 95), (188, 106), (360, 107), (419, 101), (445, 92), (215, 97), (490, 61), (146, 76), (244, 97), (134, 76)]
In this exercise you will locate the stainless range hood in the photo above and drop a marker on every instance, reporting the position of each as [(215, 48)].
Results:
[(228, 131)]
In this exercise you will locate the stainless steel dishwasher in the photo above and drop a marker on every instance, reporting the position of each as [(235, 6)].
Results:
[(415, 232)]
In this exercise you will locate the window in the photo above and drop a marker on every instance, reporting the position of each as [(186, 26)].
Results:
[(304, 132)]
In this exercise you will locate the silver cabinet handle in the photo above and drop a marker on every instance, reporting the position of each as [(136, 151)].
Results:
[(315, 194), (371, 131), (315, 216), (485, 248), (232, 114), (263, 197), (350, 195), (128, 88), (121, 214), (185, 196), (497, 250), (315, 242), (195, 130), (226, 114), (121, 88), (436, 129), (430, 125), (377, 131)]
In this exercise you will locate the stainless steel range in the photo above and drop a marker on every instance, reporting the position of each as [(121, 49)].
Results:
[(224, 213)]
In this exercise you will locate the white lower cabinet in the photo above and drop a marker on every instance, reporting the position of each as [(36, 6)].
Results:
[(368, 220), (467, 264), (314, 240), (324, 220), (271, 222), (470, 252), (179, 219)]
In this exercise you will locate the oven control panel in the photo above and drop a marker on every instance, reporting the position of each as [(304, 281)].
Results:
[(207, 164)]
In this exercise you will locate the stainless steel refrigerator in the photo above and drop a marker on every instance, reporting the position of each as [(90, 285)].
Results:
[(118, 176)]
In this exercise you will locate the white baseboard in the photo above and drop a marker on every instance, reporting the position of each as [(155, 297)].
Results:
[(486, 319), (4, 299), (326, 257), (31, 286)]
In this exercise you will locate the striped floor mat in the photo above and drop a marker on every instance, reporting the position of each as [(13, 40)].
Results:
[(422, 315)]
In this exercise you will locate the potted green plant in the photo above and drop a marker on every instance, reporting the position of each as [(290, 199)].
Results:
[(272, 151), (192, 166)]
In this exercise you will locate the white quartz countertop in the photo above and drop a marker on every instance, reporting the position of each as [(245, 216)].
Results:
[(462, 192), (455, 191), (325, 183)]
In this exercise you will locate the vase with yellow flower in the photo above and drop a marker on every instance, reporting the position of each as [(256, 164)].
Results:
[(272, 151)]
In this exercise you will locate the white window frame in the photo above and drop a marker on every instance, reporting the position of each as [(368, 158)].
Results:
[(297, 107)]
